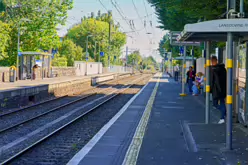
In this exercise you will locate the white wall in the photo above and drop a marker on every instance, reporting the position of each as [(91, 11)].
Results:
[(89, 68), (200, 65)]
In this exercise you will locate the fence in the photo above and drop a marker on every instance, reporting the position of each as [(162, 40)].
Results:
[(117, 69)]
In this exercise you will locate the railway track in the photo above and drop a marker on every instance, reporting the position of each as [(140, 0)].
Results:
[(16, 117), (32, 132)]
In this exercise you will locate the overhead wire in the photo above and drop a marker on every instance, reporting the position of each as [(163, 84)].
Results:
[(118, 10), (136, 9), (107, 11)]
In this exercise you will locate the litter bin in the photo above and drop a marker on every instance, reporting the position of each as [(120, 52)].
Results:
[(12, 74)]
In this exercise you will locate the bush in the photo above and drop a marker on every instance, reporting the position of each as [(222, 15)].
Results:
[(59, 61)]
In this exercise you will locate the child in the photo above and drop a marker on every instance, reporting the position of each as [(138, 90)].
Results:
[(198, 83)]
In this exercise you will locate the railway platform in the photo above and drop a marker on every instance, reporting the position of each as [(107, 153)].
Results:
[(26, 92), (158, 127), (31, 83)]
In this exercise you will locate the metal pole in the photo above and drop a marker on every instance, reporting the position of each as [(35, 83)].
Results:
[(192, 53), (99, 52), (109, 44), (95, 50), (183, 72), (126, 57), (235, 79), (86, 55), (49, 66), (18, 48), (204, 56), (207, 110), (229, 99), (171, 70), (42, 67), (87, 38), (241, 9)]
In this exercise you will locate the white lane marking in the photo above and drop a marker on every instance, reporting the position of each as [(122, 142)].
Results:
[(88, 147)]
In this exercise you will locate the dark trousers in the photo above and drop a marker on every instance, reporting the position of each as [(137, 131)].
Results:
[(176, 75), (190, 85), (221, 107)]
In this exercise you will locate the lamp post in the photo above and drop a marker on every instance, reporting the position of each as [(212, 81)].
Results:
[(18, 47)]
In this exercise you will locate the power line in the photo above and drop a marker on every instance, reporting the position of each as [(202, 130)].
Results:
[(121, 15), (145, 7), (136, 9), (107, 11), (117, 5), (103, 5)]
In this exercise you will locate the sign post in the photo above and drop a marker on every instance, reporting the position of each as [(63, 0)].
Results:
[(174, 41)]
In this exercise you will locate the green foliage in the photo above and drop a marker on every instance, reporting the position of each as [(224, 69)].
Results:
[(59, 61), (71, 52), (149, 63), (4, 40), (37, 20), (99, 27), (134, 58)]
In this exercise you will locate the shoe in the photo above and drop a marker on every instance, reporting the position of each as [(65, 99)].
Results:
[(221, 121)]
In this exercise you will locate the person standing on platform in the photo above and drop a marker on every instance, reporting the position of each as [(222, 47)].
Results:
[(218, 87), (190, 78), (176, 69)]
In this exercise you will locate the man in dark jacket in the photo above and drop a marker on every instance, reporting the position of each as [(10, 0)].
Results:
[(218, 87)]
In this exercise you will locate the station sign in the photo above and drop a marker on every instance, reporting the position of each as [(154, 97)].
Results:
[(174, 40), (19, 53)]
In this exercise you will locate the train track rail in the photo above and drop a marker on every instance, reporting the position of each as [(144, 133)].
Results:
[(12, 111), (14, 118), (90, 105)]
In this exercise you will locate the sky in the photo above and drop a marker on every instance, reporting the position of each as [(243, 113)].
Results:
[(138, 11)]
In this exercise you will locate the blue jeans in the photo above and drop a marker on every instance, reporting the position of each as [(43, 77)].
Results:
[(221, 107), (195, 89), (190, 84)]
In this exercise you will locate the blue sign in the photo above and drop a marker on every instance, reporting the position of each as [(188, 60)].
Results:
[(101, 54), (19, 53), (181, 50), (87, 58), (192, 52)]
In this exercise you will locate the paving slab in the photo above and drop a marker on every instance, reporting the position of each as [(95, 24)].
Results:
[(176, 133)]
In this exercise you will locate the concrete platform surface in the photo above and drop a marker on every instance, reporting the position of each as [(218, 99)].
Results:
[(158, 127), (45, 81)]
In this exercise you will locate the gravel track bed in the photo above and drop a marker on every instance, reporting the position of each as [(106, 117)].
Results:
[(42, 123), (22, 115), (61, 148)]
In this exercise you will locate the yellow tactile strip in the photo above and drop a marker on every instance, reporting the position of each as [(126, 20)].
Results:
[(134, 148)]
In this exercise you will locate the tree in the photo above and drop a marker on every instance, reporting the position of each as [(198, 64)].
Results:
[(59, 61), (4, 40), (149, 63), (174, 14), (40, 32), (134, 58), (100, 31), (71, 52)]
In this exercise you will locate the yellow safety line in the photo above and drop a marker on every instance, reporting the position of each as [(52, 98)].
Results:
[(134, 148)]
